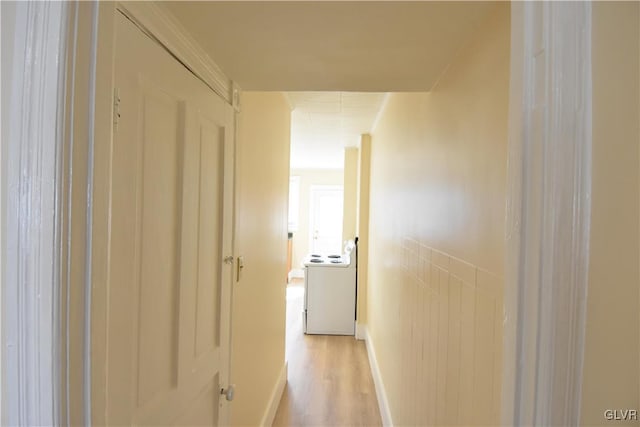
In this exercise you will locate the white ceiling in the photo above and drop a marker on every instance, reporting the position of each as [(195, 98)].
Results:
[(340, 46), (323, 123), (359, 46)]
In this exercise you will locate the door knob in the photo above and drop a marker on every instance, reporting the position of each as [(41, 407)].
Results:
[(228, 392)]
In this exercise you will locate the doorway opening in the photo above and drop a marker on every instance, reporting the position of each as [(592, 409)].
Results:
[(325, 219), (326, 135)]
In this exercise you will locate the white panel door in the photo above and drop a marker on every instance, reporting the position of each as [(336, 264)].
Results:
[(171, 211), (326, 219)]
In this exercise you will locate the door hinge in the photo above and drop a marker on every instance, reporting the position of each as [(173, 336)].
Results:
[(239, 267), (116, 107)]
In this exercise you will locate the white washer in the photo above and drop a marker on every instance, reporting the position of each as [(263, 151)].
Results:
[(330, 293)]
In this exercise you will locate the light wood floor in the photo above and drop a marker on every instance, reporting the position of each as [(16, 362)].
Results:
[(329, 380)]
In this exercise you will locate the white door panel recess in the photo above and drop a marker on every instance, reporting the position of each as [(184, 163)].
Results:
[(171, 188)]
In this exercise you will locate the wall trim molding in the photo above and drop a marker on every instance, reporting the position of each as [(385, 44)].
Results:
[(276, 396), (32, 384), (381, 393), (158, 23), (548, 213)]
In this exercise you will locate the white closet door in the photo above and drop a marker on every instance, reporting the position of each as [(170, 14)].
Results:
[(171, 218)]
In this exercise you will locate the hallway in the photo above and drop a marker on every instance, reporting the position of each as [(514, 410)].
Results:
[(329, 379)]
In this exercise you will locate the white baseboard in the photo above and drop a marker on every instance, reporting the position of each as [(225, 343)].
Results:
[(297, 273), (381, 394), (274, 400), (360, 331)]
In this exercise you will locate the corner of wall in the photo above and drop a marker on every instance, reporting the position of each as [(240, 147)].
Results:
[(362, 224), (350, 193)]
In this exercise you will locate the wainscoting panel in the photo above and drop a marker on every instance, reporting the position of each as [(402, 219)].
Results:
[(449, 340)]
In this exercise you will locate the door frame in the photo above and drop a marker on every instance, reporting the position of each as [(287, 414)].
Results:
[(32, 158), (312, 189), (549, 165)]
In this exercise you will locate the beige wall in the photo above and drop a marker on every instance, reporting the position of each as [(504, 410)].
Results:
[(350, 193), (611, 365), (362, 227), (309, 177), (258, 322), (438, 171)]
